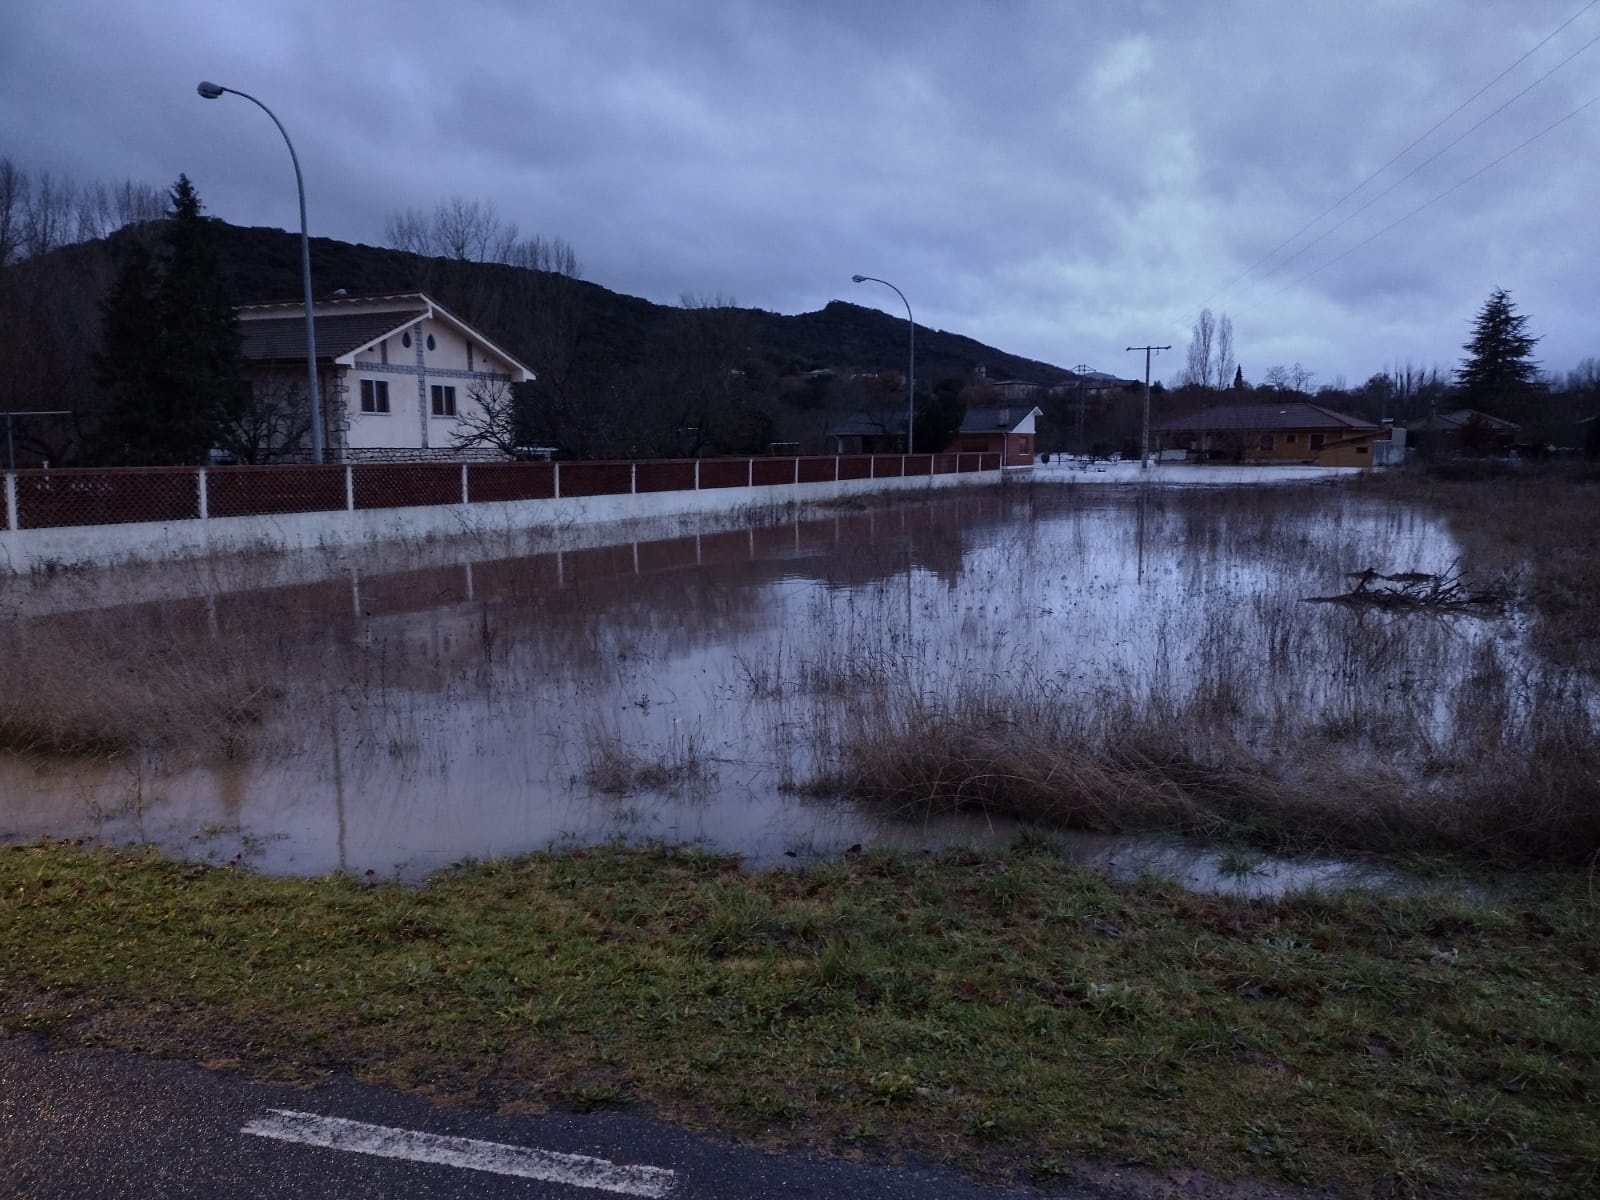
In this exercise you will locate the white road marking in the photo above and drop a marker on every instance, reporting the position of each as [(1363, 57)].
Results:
[(357, 1137)]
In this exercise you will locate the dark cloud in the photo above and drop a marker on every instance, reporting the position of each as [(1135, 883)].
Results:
[(1060, 180)]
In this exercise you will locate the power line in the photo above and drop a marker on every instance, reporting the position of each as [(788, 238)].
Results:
[(1436, 154), (1457, 186), (1411, 146)]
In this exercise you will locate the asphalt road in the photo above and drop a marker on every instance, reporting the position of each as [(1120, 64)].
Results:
[(100, 1123)]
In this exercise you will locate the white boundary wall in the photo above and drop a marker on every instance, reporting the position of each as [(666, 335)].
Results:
[(26, 550)]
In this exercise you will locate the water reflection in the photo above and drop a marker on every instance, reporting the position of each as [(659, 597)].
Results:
[(676, 689)]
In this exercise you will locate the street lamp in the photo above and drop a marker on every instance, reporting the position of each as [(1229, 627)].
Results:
[(911, 370), (211, 91)]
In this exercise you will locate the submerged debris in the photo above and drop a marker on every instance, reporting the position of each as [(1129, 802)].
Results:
[(1417, 591)]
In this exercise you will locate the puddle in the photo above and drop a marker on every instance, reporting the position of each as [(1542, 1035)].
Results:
[(403, 718)]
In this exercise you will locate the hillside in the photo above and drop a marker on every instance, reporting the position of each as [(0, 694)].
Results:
[(264, 264), (618, 376)]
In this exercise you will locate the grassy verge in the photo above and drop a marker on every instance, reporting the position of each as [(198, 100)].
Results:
[(1003, 1011)]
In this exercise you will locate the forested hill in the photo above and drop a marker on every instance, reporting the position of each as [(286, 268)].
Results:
[(264, 264)]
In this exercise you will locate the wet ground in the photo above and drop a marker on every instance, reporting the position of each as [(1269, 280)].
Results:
[(680, 688)]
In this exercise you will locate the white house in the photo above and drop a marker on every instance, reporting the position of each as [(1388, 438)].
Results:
[(401, 379)]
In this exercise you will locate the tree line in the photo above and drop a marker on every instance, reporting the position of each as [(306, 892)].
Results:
[(1497, 375)]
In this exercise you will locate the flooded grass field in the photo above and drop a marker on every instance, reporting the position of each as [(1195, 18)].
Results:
[(1139, 669)]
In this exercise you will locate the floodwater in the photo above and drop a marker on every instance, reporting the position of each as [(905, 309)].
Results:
[(677, 689)]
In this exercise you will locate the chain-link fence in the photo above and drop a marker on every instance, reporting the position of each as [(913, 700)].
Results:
[(596, 478), (254, 491), (406, 485), (112, 496), (675, 476), (491, 482), (55, 498)]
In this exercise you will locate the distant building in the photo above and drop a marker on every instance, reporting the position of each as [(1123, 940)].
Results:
[(1293, 431), (1008, 430), (401, 379), (1461, 431)]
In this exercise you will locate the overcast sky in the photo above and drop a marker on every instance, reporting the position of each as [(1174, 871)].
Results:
[(1060, 179)]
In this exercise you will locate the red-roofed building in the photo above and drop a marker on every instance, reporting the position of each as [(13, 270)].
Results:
[(1293, 431)]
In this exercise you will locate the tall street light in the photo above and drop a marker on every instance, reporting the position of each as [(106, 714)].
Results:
[(211, 91), (911, 370)]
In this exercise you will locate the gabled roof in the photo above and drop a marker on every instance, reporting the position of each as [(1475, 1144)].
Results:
[(283, 339), (347, 325), (1263, 418), (1458, 420), (997, 418)]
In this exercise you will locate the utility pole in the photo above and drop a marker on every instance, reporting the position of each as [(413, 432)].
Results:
[(1080, 371), (1144, 428)]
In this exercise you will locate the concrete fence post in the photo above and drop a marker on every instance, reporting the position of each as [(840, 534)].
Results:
[(555, 474), (201, 498), (633, 490), (797, 470), (465, 496), (697, 474), (12, 520), (349, 487), (750, 472)]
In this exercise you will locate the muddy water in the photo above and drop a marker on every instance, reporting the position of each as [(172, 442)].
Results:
[(676, 689)]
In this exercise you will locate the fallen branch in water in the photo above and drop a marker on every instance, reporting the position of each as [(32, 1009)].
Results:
[(1418, 591)]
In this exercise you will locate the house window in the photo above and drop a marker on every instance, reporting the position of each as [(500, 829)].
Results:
[(405, 339), (469, 356), (1266, 441), (1317, 439), (1361, 449), (1290, 438), (430, 341), (444, 401), (383, 350), (374, 395)]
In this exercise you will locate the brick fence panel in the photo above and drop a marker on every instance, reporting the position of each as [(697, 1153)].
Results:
[(113, 496)]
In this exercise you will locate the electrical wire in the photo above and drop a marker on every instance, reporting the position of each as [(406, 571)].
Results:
[(1457, 186), (1248, 271)]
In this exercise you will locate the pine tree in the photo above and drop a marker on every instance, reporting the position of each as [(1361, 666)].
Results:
[(170, 363), (1499, 371), (128, 364)]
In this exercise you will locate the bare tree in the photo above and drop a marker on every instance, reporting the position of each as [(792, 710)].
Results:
[(1296, 379), (48, 215), (274, 425), (1223, 366), (1201, 349), (14, 189), (491, 419)]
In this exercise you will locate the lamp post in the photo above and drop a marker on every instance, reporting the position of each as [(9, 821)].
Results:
[(211, 91), (911, 370)]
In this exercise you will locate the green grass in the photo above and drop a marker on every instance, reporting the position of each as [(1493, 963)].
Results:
[(1001, 1010)]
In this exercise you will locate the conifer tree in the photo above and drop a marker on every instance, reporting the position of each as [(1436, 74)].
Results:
[(1499, 371), (170, 363), (128, 365)]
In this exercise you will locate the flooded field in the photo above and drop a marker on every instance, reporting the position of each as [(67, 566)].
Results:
[(727, 688)]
